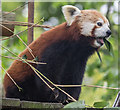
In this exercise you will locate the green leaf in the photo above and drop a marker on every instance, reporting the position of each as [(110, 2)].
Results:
[(77, 104), (99, 56), (24, 57), (100, 104), (109, 46), (42, 19), (36, 59)]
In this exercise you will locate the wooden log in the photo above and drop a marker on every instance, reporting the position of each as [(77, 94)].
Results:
[(6, 16), (16, 104), (40, 105), (10, 103)]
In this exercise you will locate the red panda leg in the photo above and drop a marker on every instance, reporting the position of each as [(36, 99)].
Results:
[(12, 92), (29, 91)]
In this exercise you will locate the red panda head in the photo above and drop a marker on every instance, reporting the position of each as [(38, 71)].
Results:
[(91, 23)]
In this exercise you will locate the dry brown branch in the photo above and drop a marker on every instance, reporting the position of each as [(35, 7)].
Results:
[(24, 24)]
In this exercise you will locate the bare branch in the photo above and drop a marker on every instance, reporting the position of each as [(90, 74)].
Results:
[(24, 24), (87, 86)]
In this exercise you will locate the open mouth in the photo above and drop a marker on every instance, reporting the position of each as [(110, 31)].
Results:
[(100, 40)]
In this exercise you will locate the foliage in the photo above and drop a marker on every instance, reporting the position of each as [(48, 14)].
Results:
[(109, 46), (77, 104), (104, 74), (100, 104)]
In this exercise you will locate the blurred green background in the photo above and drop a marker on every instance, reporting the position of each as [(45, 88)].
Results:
[(97, 73)]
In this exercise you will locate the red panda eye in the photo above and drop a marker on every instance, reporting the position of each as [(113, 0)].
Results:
[(99, 24)]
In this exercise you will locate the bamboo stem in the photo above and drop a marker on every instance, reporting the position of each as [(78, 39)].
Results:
[(30, 61), (87, 86)]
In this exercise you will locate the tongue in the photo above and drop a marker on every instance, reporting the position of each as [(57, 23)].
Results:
[(101, 40)]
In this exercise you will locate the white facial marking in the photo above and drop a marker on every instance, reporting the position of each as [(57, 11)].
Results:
[(96, 44), (87, 28), (100, 20), (101, 31)]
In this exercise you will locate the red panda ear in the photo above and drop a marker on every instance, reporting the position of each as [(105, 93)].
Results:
[(70, 12)]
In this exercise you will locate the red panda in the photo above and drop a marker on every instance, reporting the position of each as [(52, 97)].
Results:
[(65, 49)]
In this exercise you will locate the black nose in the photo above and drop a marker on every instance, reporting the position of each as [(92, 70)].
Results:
[(108, 33)]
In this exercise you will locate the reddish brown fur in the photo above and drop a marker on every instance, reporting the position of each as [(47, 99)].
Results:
[(92, 32), (18, 70), (92, 15)]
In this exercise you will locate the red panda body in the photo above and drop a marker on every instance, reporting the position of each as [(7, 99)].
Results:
[(65, 50)]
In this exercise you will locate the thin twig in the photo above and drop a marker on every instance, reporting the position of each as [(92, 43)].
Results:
[(24, 24), (15, 9), (30, 61), (20, 39), (87, 86), (11, 79)]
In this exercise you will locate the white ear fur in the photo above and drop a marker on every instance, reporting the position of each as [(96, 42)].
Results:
[(70, 12)]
